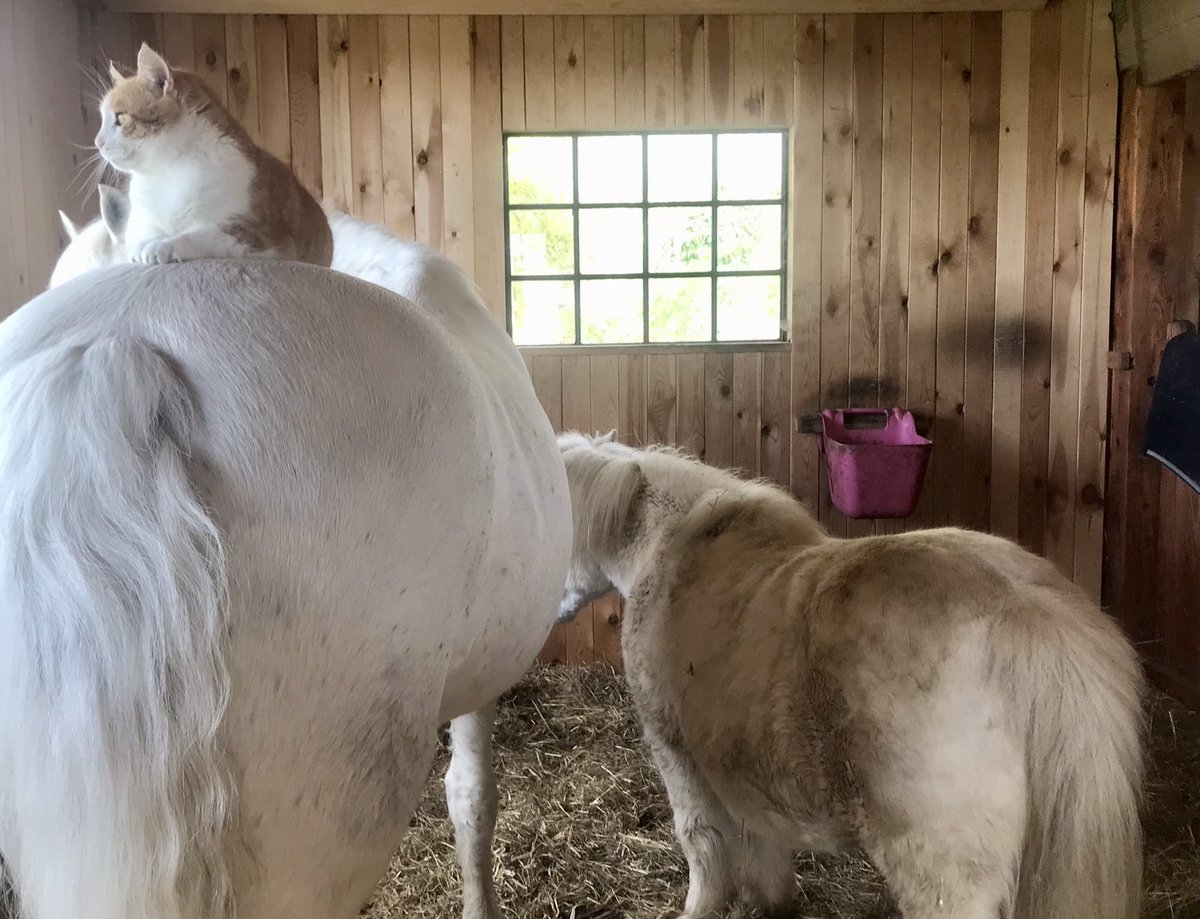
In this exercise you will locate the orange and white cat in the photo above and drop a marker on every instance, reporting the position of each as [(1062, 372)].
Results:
[(199, 187)]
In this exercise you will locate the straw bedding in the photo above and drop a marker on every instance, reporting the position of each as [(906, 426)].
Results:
[(585, 831)]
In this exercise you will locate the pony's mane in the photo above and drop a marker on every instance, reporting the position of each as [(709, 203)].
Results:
[(714, 497)]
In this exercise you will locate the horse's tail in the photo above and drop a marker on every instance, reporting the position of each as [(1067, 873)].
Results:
[(1080, 693), (115, 797)]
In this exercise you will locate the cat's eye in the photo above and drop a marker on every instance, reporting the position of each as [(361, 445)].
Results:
[(121, 118)]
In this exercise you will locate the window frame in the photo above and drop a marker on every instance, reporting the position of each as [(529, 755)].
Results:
[(713, 273)]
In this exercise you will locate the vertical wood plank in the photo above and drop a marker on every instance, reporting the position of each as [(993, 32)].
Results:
[(396, 140), (895, 177), (458, 235), (866, 213), (241, 61), (32, 223), (690, 72), (660, 71), (749, 90), (512, 72), (747, 411), (946, 465), (606, 393), (836, 231), (426, 81), (1016, 32), (1148, 224), (631, 379), (1075, 42), (774, 443), (209, 31), (1039, 279), (718, 48), (718, 409), (981, 269), (1099, 194), (630, 51), (14, 246), (599, 81), (366, 139), (539, 73), (660, 398), (304, 102), (274, 111), (488, 179), (337, 172), (179, 41), (689, 383), (866, 220), (807, 209), (147, 28), (570, 99), (924, 252), (778, 66), (114, 33)]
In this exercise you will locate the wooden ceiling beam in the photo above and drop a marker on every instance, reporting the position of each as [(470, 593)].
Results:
[(565, 7)]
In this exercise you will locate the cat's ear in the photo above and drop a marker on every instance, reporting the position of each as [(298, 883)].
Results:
[(68, 225), (114, 209), (118, 72), (152, 67), (606, 438)]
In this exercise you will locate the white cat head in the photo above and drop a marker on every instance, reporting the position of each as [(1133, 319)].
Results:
[(145, 116), (100, 243)]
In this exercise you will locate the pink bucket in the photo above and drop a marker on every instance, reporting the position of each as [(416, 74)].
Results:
[(875, 469)]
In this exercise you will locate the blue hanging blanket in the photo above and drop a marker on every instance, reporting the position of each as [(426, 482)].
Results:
[(1173, 428)]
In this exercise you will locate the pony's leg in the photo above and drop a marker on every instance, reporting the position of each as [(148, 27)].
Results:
[(766, 875), (703, 828), (472, 800)]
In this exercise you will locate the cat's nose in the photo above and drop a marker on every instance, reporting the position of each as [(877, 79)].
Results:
[(99, 142)]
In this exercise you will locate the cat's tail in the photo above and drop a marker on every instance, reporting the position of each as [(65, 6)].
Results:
[(113, 686)]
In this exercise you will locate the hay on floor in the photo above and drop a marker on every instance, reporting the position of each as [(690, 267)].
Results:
[(585, 831)]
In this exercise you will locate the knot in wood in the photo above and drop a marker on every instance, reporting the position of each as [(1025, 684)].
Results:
[(422, 158)]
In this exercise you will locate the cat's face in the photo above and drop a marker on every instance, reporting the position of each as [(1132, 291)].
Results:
[(140, 116)]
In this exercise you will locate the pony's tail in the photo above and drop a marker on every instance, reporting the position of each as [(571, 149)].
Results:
[(115, 798), (1081, 693)]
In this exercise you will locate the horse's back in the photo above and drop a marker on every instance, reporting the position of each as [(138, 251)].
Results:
[(349, 459)]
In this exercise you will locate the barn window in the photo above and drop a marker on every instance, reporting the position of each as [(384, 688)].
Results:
[(623, 238)]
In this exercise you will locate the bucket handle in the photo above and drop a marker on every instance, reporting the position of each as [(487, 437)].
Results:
[(890, 416)]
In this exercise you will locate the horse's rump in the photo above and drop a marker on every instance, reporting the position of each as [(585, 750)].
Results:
[(112, 673)]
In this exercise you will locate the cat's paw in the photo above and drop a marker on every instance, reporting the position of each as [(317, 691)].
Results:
[(156, 252)]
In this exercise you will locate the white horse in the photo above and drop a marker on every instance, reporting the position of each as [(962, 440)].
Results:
[(263, 527), (943, 699)]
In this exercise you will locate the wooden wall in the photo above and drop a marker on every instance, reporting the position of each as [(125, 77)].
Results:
[(1152, 576), (952, 179), (42, 139)]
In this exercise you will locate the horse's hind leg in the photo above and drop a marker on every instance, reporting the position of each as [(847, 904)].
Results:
[(472, 801)]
